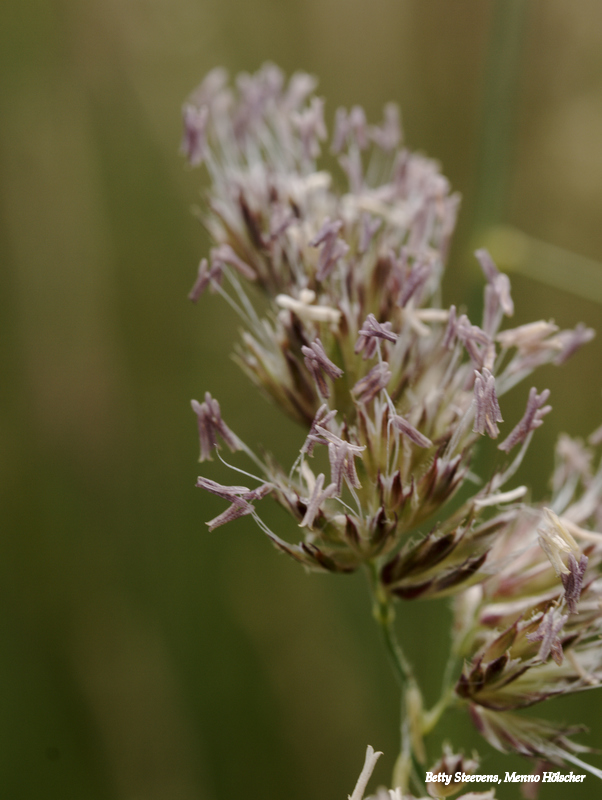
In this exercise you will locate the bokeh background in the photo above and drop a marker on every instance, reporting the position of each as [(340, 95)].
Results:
[(141, 657)]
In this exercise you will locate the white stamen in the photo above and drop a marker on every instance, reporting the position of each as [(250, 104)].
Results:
[(577, 530), (369, 764), (411, 315), (502, 497), (307, 296), (308, 477), (432, 314), (307, 311), (585, 676), (555, 540)]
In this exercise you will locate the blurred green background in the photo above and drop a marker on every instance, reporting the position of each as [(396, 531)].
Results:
[(141, 657)]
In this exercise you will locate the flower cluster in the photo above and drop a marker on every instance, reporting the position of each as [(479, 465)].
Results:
[(337, 281), (355, 343), (532, 629)]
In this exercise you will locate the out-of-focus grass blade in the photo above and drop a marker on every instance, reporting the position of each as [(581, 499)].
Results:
[(515, 251)]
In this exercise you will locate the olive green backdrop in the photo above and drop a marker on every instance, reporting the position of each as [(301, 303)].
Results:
[(141, 657)]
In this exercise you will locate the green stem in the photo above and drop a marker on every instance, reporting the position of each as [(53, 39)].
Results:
[(447, 698), (384, 614), (415, 722), (433, 715), (412, 749)]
